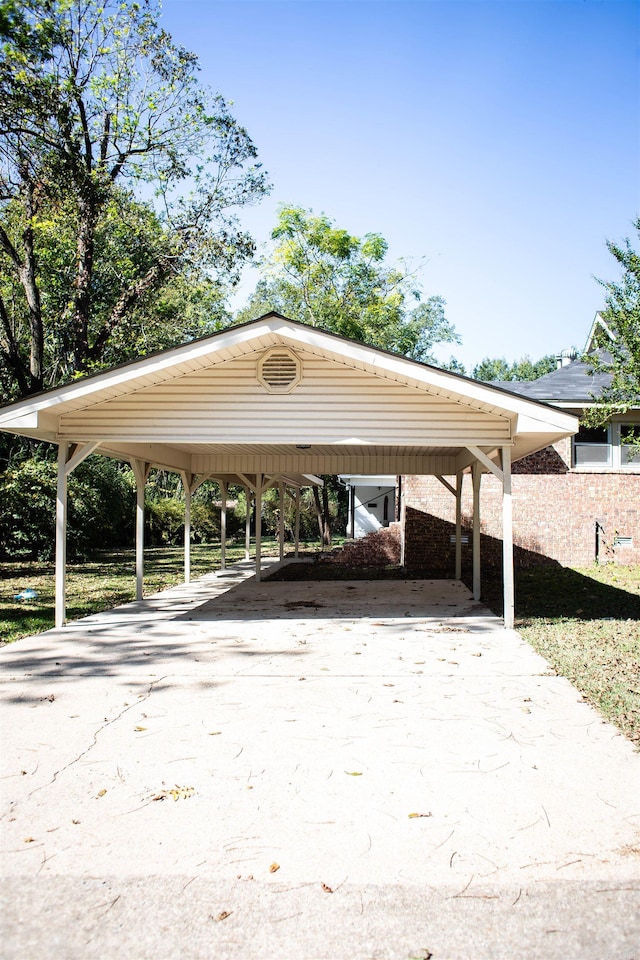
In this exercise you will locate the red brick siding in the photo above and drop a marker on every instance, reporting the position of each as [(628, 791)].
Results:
[(554, 515)]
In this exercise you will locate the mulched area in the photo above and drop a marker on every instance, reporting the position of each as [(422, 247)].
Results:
[(331, 566)]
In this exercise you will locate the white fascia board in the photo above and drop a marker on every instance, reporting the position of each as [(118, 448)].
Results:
[(24, 421), (131, 371), (450, 385), (564, 423), (447, 384)]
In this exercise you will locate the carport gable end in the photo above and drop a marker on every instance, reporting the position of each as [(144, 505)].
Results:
[(274, 397)]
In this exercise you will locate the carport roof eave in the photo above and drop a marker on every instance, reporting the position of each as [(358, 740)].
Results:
[(24, 415), (228, 461)]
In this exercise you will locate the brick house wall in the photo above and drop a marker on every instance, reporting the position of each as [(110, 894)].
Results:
[(555, 509)]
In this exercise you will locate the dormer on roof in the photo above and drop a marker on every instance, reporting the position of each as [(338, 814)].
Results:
[(599, 331)]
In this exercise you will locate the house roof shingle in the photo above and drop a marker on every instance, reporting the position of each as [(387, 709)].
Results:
[(574, 382)]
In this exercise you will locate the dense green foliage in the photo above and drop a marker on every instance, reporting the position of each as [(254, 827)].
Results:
[(120, 176), (620, 341), (101, 502), (322, 275), (523, 369)]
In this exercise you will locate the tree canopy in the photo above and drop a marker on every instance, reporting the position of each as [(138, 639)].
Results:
[(320, 274), (620, 346), (119, 173), (523, 369)]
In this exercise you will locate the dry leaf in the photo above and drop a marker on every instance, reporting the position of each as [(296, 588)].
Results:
[(176, 793), (326, 888), (274, 867), (139, 729), (222, 915), (29, 839), (75, 821), (413, 815), (101, 793), (353, 773)]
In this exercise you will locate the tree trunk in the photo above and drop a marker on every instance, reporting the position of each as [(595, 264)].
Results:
[(128, 299), (27, 274), (84, 275), (324, 519)]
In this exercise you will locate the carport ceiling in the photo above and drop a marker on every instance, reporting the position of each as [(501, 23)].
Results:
[(274, 396)]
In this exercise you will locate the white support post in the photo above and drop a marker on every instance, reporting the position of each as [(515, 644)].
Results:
[(298, 493), (403, 529), (187, 482), (281, 520), (476, 478), (69, 457), (258, 502), (61, 535), (224, 489), (247, 526), (141, 471), (507, 540), (459, 478)]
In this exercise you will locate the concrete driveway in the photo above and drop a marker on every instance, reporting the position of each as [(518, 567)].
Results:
[(309, 770)]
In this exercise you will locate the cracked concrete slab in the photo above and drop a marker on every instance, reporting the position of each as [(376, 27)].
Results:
[(359, 770)]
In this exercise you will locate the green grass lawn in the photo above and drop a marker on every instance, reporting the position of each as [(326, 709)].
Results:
[(99, 584), (586, 623)]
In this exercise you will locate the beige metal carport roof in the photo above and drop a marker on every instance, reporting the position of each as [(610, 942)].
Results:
[(275, 401)]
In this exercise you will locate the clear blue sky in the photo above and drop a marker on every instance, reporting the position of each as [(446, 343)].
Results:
[(499, 140)]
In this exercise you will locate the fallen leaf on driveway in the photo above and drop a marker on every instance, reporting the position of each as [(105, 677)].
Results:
[(177, 793), (353, 773), (413, 815), (222, 915), (139, 729), (274, 868), (326, 888)]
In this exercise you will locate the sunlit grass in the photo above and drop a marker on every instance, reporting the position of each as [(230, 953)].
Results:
[(586, 623), (99, 584)]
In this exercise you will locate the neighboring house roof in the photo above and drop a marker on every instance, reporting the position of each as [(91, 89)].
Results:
[(576, 382)]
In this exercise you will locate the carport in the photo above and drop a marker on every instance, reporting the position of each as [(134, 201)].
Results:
[(276, 402)]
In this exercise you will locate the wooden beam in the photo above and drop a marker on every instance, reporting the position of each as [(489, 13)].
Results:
[(79, 452), (446, 484), (486, 461)]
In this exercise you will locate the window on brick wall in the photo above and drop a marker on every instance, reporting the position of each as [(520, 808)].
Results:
[(617, 445), (630, 444), (592, 447)]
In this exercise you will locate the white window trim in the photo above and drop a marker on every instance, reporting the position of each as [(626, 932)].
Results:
[(614, 449)]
